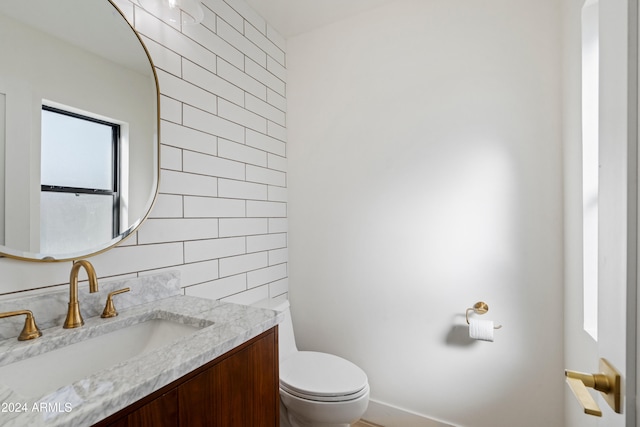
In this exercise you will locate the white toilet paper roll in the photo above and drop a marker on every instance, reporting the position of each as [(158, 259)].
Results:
[(481, 329)]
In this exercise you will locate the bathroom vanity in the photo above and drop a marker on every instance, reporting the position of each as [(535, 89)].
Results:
[(166, 359), (239, 388)]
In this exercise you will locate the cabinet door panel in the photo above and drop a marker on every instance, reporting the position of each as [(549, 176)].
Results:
[(263, 362), (162, 412), (122, 422), (234, 391), (197, 400)]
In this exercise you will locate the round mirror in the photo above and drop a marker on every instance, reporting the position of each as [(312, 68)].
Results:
[(79, 124)]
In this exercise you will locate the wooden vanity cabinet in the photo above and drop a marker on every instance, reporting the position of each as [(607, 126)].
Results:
[(237, 389)]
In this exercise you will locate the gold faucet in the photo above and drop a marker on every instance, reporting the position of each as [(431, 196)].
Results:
[(30, 330), (74, 318)]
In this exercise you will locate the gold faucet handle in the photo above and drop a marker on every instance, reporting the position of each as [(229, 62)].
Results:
[(30, 330), (109, 308)]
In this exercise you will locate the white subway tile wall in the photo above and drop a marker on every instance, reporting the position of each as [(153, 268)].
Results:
[(221, 214)]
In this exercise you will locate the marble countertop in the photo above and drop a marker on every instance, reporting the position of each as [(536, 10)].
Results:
[(91, 399)]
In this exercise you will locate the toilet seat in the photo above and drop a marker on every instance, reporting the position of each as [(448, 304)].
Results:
[(322, 377)]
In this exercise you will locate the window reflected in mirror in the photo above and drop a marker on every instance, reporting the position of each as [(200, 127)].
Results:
[(80, 177)]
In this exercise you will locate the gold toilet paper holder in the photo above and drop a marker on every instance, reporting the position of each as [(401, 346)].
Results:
[(480, 307)]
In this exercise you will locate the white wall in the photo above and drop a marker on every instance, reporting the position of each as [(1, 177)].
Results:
[(220, 217), (425, 175)]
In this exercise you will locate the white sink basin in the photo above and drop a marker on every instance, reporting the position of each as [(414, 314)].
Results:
[(45, 373)]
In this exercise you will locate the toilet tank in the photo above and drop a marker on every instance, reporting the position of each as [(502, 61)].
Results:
[(286, 339)]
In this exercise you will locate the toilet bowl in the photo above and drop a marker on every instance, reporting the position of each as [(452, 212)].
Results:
[(316, 389)]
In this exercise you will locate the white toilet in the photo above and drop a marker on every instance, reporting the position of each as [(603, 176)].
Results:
[(317, 389)]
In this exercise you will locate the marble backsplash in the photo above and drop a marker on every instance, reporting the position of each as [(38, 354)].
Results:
[(50, 309)]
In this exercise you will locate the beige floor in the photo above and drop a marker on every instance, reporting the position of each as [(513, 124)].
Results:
[(362, 423)]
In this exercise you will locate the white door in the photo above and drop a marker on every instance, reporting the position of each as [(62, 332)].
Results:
[(611, 312)]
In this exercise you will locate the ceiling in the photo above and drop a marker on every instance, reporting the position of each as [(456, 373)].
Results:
[(293, 17)]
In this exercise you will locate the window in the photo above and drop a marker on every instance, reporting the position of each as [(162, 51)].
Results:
[(590, 163), (79, 174)]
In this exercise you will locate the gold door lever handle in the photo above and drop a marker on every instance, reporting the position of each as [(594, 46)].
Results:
[(581, 393), (606, 382)]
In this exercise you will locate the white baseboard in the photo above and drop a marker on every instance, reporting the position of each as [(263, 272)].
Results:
[(390, 416)]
